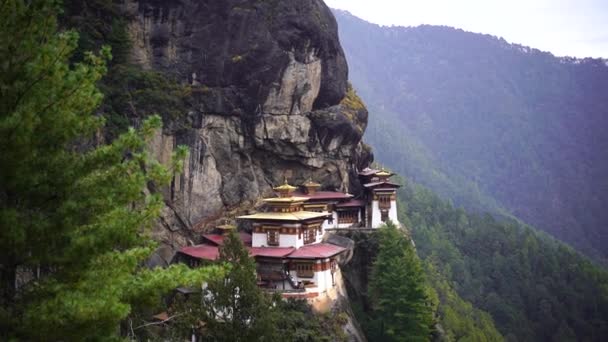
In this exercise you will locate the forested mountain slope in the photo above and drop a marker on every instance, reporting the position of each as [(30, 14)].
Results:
[(534, 287), (493, 126)]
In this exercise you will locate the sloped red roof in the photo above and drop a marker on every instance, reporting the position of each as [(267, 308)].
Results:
[(270, 252), (207, 252), (324, 195), (351, 204), (218, 239), (316, 251)]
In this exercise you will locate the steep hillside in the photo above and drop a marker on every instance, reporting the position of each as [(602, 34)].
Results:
[(493, 126), (534, 287), (252, 88), (256, 90)]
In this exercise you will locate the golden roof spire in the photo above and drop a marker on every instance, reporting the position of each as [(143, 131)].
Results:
[(285, 190), (383, 173), (311, 187)]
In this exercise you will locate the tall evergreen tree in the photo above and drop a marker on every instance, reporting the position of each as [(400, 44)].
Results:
[(398, 292), (73, 217), (235, 308)]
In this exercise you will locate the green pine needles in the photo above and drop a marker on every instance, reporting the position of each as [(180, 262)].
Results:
[(73, 216), (402, 309)]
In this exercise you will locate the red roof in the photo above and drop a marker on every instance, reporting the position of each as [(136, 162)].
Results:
[(270, 252), (316, 251), (351, 204), (218, 239), (379, 184), (324, 195), (207, 252)]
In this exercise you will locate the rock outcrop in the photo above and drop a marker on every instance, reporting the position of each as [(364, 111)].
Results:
[(268, 100)]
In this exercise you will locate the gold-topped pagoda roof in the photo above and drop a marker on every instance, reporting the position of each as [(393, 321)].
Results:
[(285, 187), (383, 173), (310, 183), (285, 190), (291, 199), (293, 216)]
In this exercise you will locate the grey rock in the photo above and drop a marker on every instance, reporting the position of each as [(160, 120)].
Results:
[(267, 80)]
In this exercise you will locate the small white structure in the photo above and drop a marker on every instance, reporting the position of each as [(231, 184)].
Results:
[(381, 196)]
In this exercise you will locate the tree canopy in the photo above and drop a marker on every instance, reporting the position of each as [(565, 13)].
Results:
[(235, 308), (534, 287), (398, 292), (74, 213)]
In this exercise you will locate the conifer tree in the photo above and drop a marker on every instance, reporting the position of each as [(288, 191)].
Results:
[(235, 308), (398, 292), (73, 216)]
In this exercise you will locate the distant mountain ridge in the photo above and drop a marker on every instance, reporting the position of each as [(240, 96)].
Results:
[(490, 125)]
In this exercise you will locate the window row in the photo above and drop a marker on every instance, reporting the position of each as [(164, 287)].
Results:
[(309, 236), (348, 216)]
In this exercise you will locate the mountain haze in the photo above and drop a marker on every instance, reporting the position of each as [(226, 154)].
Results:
[(490, 125)]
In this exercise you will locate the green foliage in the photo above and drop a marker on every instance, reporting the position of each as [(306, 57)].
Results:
[(131, 93), (236, 309), (352, 100), (534, 287), (459, 319), (495, 127), (299, 324), (74, 217), (233, 308), (399, 297)]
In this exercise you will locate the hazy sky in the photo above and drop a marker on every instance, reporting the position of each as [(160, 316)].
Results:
[(564, 27)]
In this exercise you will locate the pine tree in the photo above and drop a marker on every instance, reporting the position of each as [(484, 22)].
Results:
[(235, 308), (398, 292), (73, 216)]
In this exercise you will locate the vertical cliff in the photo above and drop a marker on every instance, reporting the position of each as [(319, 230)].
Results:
[(267, 82)]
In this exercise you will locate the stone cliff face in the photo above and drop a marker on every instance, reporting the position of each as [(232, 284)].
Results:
[(268, 100)]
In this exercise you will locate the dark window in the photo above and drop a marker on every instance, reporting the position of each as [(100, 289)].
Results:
[(305, 270), (384, 201), (309, 235), (348, 216), (273, 237)]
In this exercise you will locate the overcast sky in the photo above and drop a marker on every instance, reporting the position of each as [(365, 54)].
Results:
[(564, 27)]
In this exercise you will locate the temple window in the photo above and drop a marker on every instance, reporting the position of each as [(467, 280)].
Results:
[(348, 216), (305, 270), (309, 235), (384, 201), (272, 237)]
